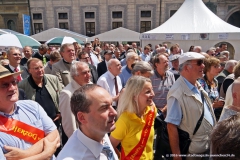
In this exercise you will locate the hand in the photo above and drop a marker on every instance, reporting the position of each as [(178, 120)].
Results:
[(218, 104), (14, 153), (58, 116), (50, 147), (116, 97)]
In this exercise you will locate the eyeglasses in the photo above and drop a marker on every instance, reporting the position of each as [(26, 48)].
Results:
[(17, 54), (199, 62), (6, 85)]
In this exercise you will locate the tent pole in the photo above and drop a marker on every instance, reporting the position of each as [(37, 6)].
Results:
[(160, 12)]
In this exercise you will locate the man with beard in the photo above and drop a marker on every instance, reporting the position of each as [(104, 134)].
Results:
[(162, 81), (92, 108)]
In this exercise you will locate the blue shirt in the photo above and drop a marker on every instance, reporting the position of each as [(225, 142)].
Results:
[(174, 111), (125, 75), (31, 113), (145, 57)]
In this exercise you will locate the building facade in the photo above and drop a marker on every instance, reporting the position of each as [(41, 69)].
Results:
[(92, 17), (11, 12)]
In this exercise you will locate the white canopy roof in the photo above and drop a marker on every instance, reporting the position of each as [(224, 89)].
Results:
[(117, 35), (57, 32), (194, 17)]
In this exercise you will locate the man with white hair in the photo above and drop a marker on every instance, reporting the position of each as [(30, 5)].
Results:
[(225, 53), (80, 75), (131, 58), (197, 49), (111, 81), (227, 70)]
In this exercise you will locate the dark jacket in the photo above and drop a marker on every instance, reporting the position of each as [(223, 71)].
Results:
[(24, 74), (101, 68), (94, 73)]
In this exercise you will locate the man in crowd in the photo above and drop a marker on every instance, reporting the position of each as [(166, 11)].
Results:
[(227, 70), (62, 68), (162, 81), (131, 58), (54, 58), (81, 75), (111, 81), (225, 139), (42, 88), (197, 49), (175, 66), (145, 56), (27, 51), (105, 48), (24, 117), (91, 106), (102, 66), (135, 47), (84, 57), (185, 107), (14, 57), (93, 58), (222, 47), (42, 53)]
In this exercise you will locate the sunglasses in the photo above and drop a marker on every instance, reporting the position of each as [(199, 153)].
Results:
[(6, 85), (199, 62)]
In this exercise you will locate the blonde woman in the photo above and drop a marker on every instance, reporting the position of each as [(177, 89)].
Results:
[(136, 114)]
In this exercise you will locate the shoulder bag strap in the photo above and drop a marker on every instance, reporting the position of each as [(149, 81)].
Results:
[(201, 118)]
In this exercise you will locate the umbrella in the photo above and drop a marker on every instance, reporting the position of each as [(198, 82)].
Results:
[(17, 40), (63, 40)]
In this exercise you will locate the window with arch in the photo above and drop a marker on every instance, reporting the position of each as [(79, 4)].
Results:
[(11, 25)]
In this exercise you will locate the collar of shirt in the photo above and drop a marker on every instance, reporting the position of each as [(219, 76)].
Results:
[(110, 75), (66, 62), (14, 111), (159, 76), (94, 146), (134, 116), (33, 84), (128, 70), (193, 89), (13, 68)]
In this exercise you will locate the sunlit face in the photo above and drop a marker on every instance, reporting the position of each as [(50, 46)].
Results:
[(14, 57), (215, 70), (196, 69), (115, 67), (84, 75), (101, 118), (85, 58), (68, 53), (27, 52), (132, 60), (36, 69), (88, 48), (163, 64), (8, 91), (145, 97), (175, 64)]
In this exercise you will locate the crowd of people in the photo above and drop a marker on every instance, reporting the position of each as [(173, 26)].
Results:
[(100, 101)]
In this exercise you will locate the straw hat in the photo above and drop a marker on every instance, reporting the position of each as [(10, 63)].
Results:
[(4, 72)]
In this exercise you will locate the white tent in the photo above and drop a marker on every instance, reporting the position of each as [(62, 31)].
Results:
[(117, 35), (57, 32), (194, 24)]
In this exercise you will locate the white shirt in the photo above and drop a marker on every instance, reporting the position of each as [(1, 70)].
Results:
[(81, 147), (94, 59), (107, 82)]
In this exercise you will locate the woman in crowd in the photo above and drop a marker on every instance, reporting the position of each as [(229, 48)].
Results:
[(209, 83), (136, 114), (96, 43)]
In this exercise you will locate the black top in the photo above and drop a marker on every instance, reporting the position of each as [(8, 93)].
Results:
[(101, 68), (23, 61), (39, 56), (44, 98)]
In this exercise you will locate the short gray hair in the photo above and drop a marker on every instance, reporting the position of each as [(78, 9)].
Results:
[(180, 68), (224, 53), (143, 67), (12, 48), (111, 61), (74, 68), (130, 55), (230, 63)]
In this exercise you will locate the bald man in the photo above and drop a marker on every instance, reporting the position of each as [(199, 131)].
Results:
[(235, 107)]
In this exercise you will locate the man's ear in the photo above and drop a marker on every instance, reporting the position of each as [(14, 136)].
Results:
[(81, 117)]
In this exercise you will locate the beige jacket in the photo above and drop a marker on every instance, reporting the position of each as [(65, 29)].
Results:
[(192, 109)]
